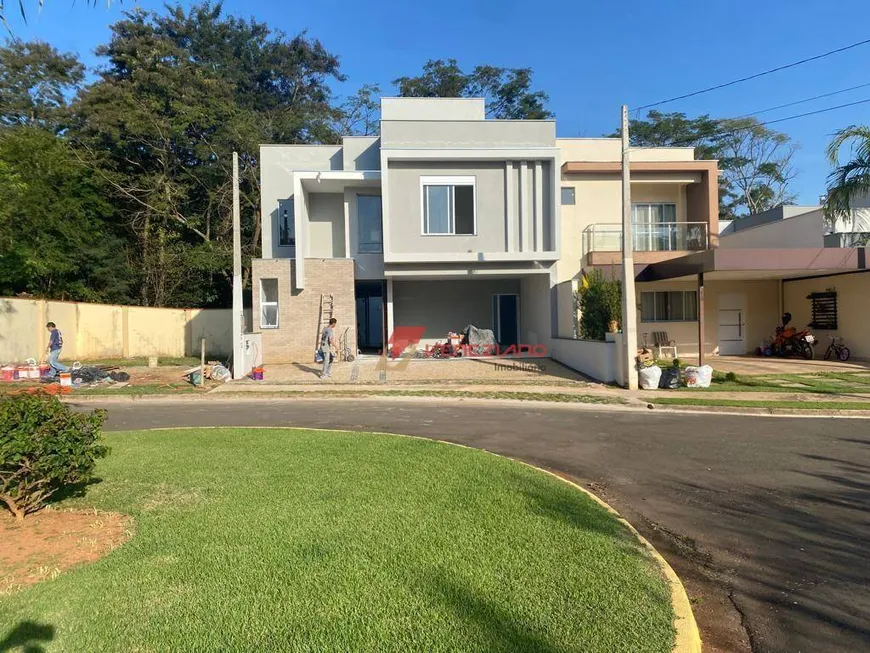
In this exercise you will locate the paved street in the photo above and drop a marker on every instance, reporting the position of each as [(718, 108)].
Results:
[(765, 519)]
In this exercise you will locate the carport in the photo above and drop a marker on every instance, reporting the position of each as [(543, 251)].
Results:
[(748, 288)]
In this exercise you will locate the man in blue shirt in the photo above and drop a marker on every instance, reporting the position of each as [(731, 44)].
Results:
[(55, 344)]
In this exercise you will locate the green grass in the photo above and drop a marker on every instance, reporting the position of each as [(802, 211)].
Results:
[(142, 361), (557, 397), (145, 389), (748, 403), (833, 383), (278, 540)]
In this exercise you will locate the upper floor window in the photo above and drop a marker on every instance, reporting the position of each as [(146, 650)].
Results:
[(286, 223), (368, 217), (568, 196), (448, 205)]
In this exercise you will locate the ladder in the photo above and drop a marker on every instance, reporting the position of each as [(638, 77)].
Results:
[(327, 306)]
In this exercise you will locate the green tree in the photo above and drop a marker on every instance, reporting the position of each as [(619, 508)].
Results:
[(35, 82), (182, 90), (58, 238), (849, 181), (600, 302), (508, 91), (756, 162)]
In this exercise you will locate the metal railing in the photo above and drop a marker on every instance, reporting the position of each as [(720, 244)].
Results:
[(648, 237)]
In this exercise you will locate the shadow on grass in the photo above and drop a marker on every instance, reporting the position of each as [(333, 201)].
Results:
[(502, 631), (72, 491), (579, 512), (26, 637)]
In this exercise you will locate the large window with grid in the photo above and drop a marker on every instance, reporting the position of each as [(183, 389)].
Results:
[(669, 306)]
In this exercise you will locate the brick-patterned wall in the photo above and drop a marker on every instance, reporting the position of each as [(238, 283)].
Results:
[(295, 339)]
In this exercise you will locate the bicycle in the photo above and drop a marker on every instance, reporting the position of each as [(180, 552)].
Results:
[(838, 349)]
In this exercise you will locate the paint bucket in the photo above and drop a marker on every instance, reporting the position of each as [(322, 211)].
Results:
[(22, 372), (33, 372), (65, 379), (257, 374), (7, 373), (44, 371)]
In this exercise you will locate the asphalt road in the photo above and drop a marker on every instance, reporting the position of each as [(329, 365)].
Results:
[(764, 518)]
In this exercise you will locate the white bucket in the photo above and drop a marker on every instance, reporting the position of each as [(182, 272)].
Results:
[(65, 379), (152, 361)]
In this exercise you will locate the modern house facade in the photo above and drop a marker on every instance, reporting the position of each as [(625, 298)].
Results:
[(447, 219)]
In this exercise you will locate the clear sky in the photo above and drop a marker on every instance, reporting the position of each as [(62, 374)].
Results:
[(590, 56)]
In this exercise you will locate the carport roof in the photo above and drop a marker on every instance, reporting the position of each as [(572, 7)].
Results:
[(784, 263)]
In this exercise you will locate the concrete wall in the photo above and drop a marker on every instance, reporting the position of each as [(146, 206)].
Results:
[(443, 306), (569, 313), (467, 133), (277, 163), (362, 152), (396, 108), (805, 230), (537, 309), (594, 358), (853, 309), (325, 236), (92, 331), (506, 207), (610, 149), (297, 335)]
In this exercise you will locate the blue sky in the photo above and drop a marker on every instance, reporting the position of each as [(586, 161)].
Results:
[(588, 56)]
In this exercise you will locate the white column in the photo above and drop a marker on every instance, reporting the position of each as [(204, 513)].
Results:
[(511, 219), (524, 214), (238, 307), (538, 242), (301, 222), (389, 312), (629, 311)]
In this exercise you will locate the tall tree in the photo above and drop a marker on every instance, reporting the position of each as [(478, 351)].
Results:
[(508, 91), (35, 83), (850, 181), (756, 162), (181, 92)]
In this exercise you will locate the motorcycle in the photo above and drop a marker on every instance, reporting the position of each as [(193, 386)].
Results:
[(789, 341)]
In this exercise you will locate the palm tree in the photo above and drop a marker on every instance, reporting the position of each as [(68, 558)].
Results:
[(850, 181)]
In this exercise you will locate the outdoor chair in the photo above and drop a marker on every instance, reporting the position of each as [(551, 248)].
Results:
[(662, 343)]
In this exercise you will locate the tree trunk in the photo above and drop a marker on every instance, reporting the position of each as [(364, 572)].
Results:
[(13, 506)]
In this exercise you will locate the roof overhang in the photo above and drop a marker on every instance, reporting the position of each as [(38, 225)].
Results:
[(747, 264), (615, 167), (335, 181)]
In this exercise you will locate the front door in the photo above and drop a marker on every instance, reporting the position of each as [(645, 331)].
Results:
[(506, 319), (731, 324), (370, 315)]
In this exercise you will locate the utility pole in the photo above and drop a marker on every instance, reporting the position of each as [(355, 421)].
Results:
[(238, 308), (629, 312)]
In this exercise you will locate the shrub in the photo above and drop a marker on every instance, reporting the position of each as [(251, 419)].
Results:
[(45, 446), (600, 304), (730, 376)]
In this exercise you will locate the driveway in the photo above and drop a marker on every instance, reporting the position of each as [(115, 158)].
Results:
[(765, 519)]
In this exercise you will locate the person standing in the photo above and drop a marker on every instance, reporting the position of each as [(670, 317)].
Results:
[(55, 345), (327, 348)]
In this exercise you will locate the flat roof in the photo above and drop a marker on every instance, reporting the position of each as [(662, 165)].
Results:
[(759, 263)]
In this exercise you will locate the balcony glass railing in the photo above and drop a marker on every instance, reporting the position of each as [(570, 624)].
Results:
[(648, 237)]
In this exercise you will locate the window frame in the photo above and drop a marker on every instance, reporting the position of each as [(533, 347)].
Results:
[(573, 190), (450, 181), (359, 239), (284, 205), (276, 303), (655, 318)]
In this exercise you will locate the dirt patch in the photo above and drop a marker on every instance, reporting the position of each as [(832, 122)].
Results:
[(51, 541)]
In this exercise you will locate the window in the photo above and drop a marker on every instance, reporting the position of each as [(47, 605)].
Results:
[(824, 306), (568, 195), (669, 306), (286, 223), (368, 217), (268, 303), (448, 206), (655, 228)]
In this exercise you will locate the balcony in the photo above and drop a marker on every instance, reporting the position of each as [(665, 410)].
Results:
[(602, 240)]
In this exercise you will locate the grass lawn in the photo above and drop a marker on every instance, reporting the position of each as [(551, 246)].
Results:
[(749, 403), (280, 540), (142, 361)]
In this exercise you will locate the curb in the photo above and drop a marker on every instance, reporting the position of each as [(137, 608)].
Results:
[(688, 637)]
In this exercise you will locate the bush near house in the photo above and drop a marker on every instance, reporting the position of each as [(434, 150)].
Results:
[(600, 301), (44, 447)]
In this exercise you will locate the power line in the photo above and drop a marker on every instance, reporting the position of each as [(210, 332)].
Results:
[(809, 99), (699, 140), (755, 76)]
